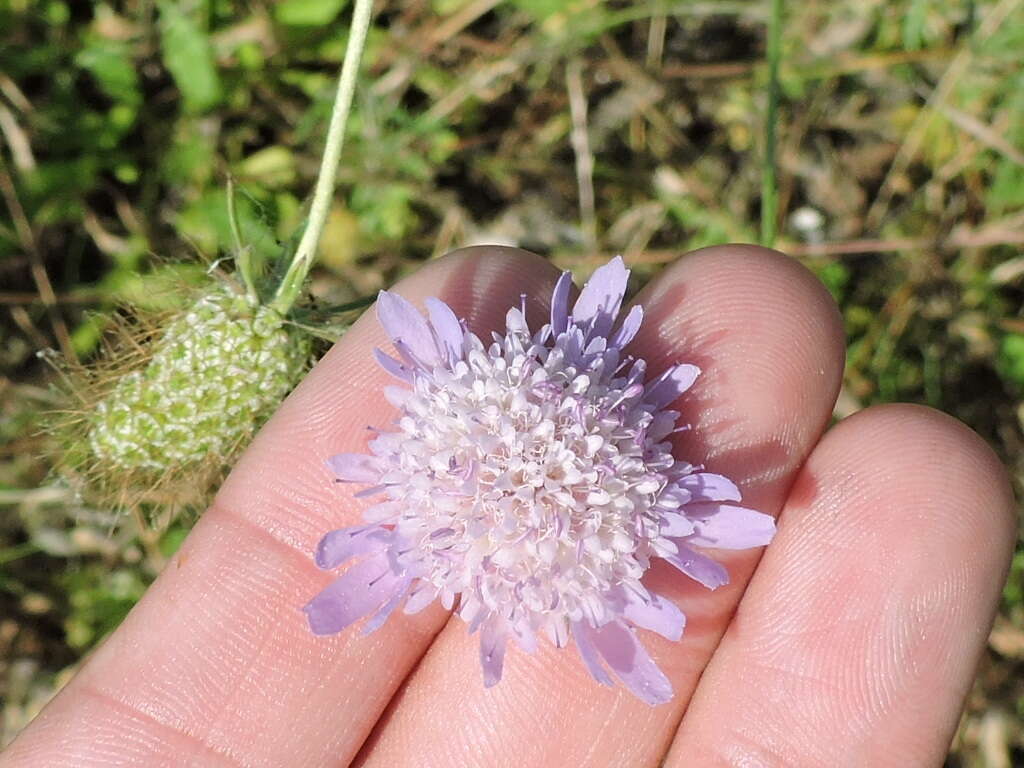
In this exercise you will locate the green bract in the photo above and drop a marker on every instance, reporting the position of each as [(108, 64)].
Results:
[(216, 373)]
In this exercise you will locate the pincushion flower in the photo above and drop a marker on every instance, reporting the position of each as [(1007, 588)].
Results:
[(215, 375), (532, 480)]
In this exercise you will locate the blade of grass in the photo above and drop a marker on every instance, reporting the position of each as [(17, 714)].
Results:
[(769, 180)]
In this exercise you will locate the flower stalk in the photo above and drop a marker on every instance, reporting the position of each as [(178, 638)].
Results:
[(305, 254)]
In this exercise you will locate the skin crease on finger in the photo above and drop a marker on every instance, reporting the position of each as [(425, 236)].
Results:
[(869, 611), (769, 341), (216, 665)]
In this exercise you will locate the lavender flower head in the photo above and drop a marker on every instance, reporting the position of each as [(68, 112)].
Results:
[(533, 479)]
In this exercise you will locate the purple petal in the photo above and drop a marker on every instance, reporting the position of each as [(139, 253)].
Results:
[(630, 661), (447, 598), (658, 615), (403, 322), (601, 297), (525, 637), (363, 588), (727, 527), (386, 444), (447, 328), (674, 493), (338, 546), (473, 616), (423, 595), (392, 366), (515, 321), (629, 327), (355, 467), (573, 345), (560, 304), (377, 620), (588, 653), (397, 396), (409, 359), (637, 371), (662, 426), (371, 491), (675, 525), (700, 568), (705, 486), (492, 649), (381, 511), (671, 384)]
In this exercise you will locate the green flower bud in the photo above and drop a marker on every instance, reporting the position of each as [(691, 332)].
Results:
[(217, 372)]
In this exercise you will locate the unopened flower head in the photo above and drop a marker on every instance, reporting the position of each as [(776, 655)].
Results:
[(533, 480), (216, 372)]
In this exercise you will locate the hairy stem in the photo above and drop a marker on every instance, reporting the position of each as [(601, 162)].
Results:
[(294, 278)]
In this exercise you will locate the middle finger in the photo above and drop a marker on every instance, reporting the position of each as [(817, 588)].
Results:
[(769, 340)]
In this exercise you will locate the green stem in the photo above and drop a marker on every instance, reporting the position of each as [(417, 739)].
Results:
[(349, 306), (243, 254), (769, 182), (294, 278), (17, 552)]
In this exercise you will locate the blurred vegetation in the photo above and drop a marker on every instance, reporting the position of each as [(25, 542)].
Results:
[(575, 128)]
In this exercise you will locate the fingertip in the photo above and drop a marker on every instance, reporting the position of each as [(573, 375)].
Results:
[(738, 278), (926, 451), (870, 609)]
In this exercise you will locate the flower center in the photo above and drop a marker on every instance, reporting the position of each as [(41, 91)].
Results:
[(532, 485)]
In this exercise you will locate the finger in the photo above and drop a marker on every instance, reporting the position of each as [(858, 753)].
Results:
[(858, 637), (767, 336), (217, 661)]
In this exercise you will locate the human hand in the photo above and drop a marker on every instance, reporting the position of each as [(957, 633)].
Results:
[(853, 642)]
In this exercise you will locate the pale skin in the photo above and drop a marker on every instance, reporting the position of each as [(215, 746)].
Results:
[(850, 641)]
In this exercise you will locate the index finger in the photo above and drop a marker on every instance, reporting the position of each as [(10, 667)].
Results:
[(216, 664)]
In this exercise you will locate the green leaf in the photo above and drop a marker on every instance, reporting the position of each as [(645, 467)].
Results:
[(99, 599), (914, 25), (445, 7), (307, 13), (384, 211), (188, 56), (834, 274), (205, 223), (171, 541), (271, 167), (191, 157), (1011, 358), (543, 9), (111, 66), (87, 334)]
